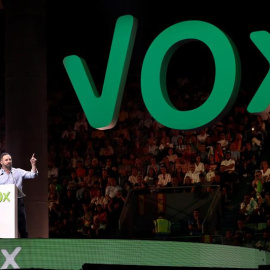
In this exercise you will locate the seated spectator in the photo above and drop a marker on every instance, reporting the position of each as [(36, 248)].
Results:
[(265, 207), (68, 200), (175, 181), (249, 240), (140, 165), (209, 146), (106, 151), (218, 153), (152, 147), (140, 183), (90, 178), (175, 134), (164, 178), (80, 170), (193, 142), (169, 165), (94, 189), (172, 157), (235, 153), (228, 163), (110, 167), (223, 141), (90, 154), (121, 148), (264, 242), (179, 175), (187, 184), (122, 176), (199, 165), (180, 146), (99, 199), (68, 134), (144, 158), (126, 163), (81, 121), (123, 131), (209, 173), (80, 191), (100, 221), (111, 189), (95, 164), (164, 139), (103, 179), (238, 141), (265, 170), (73, 182), (201, 137), (213, 163), (195, 223), (189, 154), (267, 228), (203, 153), (151, 178), (115, 207), (229, 239), (127, 187), (249, 209), (240, 233), (192, 174), (53, 199), (133, 177), (75, 158), (53, 170), (137, 147), (146, 122), (84, 221), (257, 183), (249, 157), (183, 164)]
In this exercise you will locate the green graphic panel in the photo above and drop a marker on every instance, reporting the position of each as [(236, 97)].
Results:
[(73, 253)]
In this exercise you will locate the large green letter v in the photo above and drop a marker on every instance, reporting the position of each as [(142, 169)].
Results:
[(102, 110)]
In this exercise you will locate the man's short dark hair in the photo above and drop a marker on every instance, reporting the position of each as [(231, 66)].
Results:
[(4, 154)]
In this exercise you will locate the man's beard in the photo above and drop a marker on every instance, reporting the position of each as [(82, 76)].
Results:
[(8, 166)]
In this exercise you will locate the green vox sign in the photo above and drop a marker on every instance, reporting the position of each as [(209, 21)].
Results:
[(102, 110), (4, 197)]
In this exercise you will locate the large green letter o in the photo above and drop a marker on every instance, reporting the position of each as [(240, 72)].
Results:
[(227, 75)]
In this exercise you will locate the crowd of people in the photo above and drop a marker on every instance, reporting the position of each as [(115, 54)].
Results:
[(91, 171), (253, 217)]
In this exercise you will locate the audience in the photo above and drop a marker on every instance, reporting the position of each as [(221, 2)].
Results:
[(93, 171)]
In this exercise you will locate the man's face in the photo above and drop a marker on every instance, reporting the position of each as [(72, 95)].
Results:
[(6, 162), (258, 175), (192, 167), (112, 181), (246, 199), (196, 214)]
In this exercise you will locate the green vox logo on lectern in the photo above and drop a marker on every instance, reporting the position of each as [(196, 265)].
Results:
[(4, 197), (102, 110)]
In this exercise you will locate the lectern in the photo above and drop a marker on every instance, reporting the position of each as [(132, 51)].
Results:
[(8, 211)]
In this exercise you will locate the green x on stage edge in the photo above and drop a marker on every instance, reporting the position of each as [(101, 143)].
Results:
[(74, 253)]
